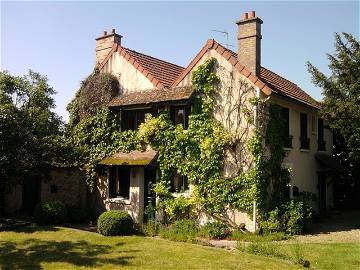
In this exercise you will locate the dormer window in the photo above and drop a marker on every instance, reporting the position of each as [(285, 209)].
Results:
[(180, 115)]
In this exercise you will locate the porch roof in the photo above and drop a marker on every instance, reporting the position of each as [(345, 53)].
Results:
[(152, 96), (133, 158)]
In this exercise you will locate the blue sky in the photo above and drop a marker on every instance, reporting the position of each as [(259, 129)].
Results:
[(57, 38)]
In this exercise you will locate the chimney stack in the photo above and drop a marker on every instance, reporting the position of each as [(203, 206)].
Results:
[(249, 41), (105, 43)]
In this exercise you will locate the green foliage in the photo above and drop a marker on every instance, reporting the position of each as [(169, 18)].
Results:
[(93, 130), (95, 92), (290, 217), (215, 230), (178, 208), (254, 237), (151, 228), (31, 134), (341, 90), (111, 223), (50, 213), (185, 230), (270, 249)]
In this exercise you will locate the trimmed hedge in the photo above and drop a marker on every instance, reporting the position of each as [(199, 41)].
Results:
[(50, 213), (115, 222)]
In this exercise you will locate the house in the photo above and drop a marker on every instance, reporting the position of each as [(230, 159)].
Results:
[(150, 85)]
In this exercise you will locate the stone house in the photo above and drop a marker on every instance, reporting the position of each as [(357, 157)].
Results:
[(149, 85)]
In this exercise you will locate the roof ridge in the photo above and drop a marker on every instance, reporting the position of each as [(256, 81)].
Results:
[(153, 57)]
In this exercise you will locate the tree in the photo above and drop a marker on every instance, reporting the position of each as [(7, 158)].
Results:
[(341, 90), (341, 107), (31, 134)]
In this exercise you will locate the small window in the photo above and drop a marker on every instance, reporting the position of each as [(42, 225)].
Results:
[(180, 115), (320, 137), (180, 184), (132, 119), (313, 124), (304, 140), (285, 116), (119, 182)]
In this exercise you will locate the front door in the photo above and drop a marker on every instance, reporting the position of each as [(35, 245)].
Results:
[(30, 194), (149, 195)]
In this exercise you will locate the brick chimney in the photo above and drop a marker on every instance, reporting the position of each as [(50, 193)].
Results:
[(105, 43), (249, 41)]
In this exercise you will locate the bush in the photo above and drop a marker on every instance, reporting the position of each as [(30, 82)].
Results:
[(76, 214), (215, 230), (151, 228), (50, 213), (181, 230), (290, 217), (115, 223)]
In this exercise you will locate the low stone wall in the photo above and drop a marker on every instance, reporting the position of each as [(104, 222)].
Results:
[(66, 185)]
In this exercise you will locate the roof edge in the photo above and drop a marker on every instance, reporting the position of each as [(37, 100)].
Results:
[(212, 44)]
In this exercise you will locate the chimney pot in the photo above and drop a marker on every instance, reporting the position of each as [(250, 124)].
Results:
[(113, 31), (105, 33), (252, 14), (244, 16)]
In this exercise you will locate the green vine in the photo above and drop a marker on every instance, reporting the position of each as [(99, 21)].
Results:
[(198, 154)]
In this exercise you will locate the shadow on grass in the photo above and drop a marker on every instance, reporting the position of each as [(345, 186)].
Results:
[(31, 253), (34, 228)]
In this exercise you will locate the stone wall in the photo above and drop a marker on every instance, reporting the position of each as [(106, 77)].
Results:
[(66, 185)]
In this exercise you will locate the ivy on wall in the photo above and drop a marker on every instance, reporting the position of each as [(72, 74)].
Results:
[(197, 153)]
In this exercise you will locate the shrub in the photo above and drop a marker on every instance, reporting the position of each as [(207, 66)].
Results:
[(151, 228), (77, 214), (179, 208), (290, 217), (115, 223), (185, 230), (50, 213), (253, 237), (216, 230)]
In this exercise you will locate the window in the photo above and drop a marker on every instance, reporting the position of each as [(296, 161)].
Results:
[(180, 183), (180, 115), (119, 182), (313, 124), (132, 119), (321, 141), (304, 140), (285, 116)]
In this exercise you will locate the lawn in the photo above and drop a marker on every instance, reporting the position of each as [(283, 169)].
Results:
[(64, 248)]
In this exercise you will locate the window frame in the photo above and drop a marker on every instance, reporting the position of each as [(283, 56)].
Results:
[(115, 182)]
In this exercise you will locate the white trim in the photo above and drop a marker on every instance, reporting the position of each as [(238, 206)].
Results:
[(119, 200)]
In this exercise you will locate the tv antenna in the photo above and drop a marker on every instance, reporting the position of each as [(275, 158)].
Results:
[(227, 37)]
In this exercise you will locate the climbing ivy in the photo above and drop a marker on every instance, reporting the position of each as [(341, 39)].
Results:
[(198, 154)]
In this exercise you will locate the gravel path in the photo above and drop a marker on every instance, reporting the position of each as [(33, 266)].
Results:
[(340, 227)]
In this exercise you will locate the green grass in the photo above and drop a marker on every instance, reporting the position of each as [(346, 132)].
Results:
[(63, 248)]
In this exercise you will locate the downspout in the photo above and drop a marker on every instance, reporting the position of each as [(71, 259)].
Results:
[(256, 123)]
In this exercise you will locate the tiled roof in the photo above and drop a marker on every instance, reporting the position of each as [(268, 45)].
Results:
[(285, 87), (231, 57), (152, 96), (159, 72), (163, 74), (266, 80), (164, 71)]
